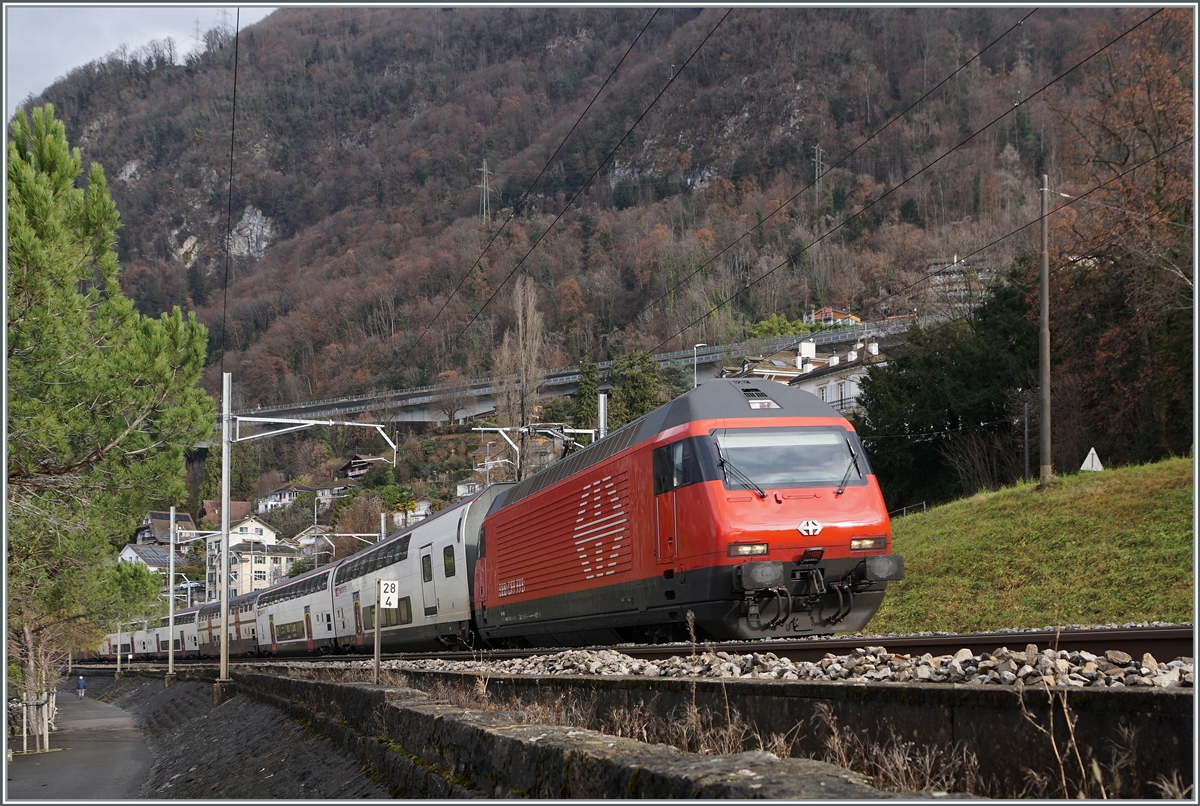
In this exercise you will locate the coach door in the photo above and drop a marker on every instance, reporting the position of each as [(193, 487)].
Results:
[(668, 543), (428, 589), (668, 471)]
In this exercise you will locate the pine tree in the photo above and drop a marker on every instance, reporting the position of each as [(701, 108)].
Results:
[(637, 388), (585, 394), (102, 402)]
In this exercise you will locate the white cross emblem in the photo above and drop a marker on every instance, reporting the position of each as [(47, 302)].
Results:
[(810, 528)]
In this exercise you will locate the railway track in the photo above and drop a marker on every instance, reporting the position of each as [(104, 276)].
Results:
[(1164, 643)]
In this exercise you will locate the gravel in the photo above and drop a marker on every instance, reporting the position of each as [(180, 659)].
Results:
[(872, 664)]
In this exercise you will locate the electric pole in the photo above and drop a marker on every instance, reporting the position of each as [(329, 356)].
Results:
[(1046, 470), (485, 203), (819, 168)]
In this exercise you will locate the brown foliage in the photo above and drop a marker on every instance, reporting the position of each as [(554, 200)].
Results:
[(1122, 299)]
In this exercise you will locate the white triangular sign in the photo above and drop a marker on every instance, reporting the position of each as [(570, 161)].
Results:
[(1092, 462)]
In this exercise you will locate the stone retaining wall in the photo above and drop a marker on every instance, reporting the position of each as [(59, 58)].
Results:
[(436, 750), (419, 747), (992, 722)]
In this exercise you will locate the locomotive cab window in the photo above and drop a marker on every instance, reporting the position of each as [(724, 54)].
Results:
[(778, 458), (688, 461), (448, 560)]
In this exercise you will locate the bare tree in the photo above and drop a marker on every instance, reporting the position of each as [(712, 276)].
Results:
[(454, 395), (518, 362)]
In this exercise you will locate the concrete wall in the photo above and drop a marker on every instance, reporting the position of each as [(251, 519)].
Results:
[(431, 749), (993, 722), (420, 747)]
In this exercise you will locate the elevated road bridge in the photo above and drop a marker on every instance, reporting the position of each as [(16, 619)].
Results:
[(420, 404)]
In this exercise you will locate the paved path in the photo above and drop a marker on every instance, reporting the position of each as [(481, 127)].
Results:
[(100, 755)]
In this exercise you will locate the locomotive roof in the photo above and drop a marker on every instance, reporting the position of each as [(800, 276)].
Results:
[(717, 399)]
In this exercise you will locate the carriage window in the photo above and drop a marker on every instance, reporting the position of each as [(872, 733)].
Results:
[(448, 560), (427, 568), (405, 610)]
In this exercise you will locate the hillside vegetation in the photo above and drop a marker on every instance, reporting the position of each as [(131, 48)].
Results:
[(1095, 548), (362, 135), (348, 252)]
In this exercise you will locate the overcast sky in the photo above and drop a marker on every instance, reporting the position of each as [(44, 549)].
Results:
[(44, 43)]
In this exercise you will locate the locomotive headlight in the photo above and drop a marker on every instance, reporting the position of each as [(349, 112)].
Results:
[(868, 543), (748, 549)]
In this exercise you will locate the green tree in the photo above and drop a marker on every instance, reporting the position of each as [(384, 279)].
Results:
[(586, 394), (778, 325), (638, 387), (404, 502), (102, 402), (558, 410), (937, 418), (294, 518), (243, 471)]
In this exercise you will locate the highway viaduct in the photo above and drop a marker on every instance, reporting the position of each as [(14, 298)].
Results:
[(420, 404)]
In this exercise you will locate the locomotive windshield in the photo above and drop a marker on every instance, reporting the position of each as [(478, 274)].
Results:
[(791, 457)]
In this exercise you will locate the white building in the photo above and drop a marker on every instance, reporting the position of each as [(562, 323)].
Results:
[(838, 380), (285, 496), (257, 559), (834, 376)]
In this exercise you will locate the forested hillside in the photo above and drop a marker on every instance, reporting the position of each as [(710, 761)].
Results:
[(359, 255)]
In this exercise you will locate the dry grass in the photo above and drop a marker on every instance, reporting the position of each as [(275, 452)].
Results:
[(1076, 778), (893, 764), (896, 765), (688, 727), (1172, 789)]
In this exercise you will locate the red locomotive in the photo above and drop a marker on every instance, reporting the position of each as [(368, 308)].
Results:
[(740, 510)]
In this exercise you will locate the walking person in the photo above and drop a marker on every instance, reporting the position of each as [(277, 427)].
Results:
[(80, 686)]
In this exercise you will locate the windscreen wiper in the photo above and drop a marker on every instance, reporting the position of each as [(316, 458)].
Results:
[(851, 465), (727, 467)]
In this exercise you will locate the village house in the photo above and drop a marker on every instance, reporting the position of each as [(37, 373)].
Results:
[(359, 466), (839, 381), (832, 317), (210, 513), (833, 376), (327, 493), (155, 528), (423, 509), (312, 540), (257, 559), (282, 497), (156, 558)]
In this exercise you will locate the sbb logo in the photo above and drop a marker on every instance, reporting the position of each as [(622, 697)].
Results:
[(809, 528)]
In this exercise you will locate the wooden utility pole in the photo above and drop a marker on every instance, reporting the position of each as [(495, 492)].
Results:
[(1046, 470)]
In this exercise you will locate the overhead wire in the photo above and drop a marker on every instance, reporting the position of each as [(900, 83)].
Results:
[(1088, 253), (517, 205), (1081, 197), (908, 179), (1131, 212), (837, 164), (923, 436), (595, 173)]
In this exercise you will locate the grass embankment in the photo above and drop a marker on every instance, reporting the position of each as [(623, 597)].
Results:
[(1094, 548)]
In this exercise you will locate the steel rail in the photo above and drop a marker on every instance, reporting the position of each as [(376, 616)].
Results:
[(1165, 643)]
